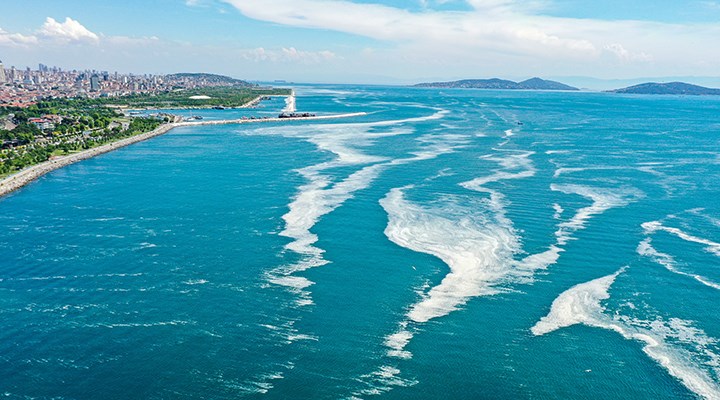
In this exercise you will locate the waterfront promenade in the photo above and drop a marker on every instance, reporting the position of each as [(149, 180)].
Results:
[(27, 175)]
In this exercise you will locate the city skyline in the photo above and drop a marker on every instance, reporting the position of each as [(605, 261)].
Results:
[(390, 41)]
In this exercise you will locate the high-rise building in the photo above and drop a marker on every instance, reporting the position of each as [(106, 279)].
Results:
[(94, 83), (3, 78)]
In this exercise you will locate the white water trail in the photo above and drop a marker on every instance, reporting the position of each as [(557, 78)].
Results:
[(602, 199), (646, 249), (476, 250), (699, 213), (321, 195), (476, 244), (654, 226), (577, 305), (683, 350), (479, 249)]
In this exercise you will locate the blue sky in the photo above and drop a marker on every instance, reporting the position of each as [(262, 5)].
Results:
[(374, 41)]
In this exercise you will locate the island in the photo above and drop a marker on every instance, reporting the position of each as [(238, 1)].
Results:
[(502, 84), (676, 88)]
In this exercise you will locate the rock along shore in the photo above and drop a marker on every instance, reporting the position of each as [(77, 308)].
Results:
[(27, 175)]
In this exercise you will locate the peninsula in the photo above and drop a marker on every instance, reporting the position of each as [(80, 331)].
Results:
[(501, 84)]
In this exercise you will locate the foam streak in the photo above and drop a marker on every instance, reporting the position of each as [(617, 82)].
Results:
[(684, 351)]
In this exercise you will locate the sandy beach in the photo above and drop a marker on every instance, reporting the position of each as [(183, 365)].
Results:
[(27, 175)]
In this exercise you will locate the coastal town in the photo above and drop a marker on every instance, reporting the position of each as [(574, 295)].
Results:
[(25, 87), (49, 112), (50, 118)]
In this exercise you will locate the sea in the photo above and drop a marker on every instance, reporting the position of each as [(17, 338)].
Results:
[(450, 244)]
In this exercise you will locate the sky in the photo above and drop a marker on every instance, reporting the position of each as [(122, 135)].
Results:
[(370, 41)]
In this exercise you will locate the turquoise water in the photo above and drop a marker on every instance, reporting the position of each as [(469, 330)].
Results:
[(450, 244)]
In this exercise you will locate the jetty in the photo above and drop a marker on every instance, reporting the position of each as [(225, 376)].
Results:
[(27, 175)]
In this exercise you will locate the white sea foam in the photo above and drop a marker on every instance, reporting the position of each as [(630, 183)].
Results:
[(686, 352), (539, 261), (514, 161), (193, 282), (140, 325), (476, 251), (701, 212), (262, 383), (602, 200), (561, 171), (654, 226), (646, 249), (478, 246), (322, 194), (381, 381), (577, 305), (397, 342), (519, 166), (569, 170), (288, 333)]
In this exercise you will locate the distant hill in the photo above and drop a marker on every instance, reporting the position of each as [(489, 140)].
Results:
[(495, 83), (668, 88), (542, 84), (211, 78)]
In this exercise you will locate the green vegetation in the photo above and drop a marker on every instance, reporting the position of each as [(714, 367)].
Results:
[(18, 157), (83, 125), (80, 124), (210, 78)]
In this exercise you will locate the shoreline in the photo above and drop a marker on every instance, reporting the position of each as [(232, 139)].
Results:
[(21, 178)]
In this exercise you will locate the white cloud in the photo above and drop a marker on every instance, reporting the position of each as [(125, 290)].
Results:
[(506, 38), (494, 24), (15, 39), (624, 55), (68, 31), (510, 30), (70, 45), (288, 54), (197, 3)]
